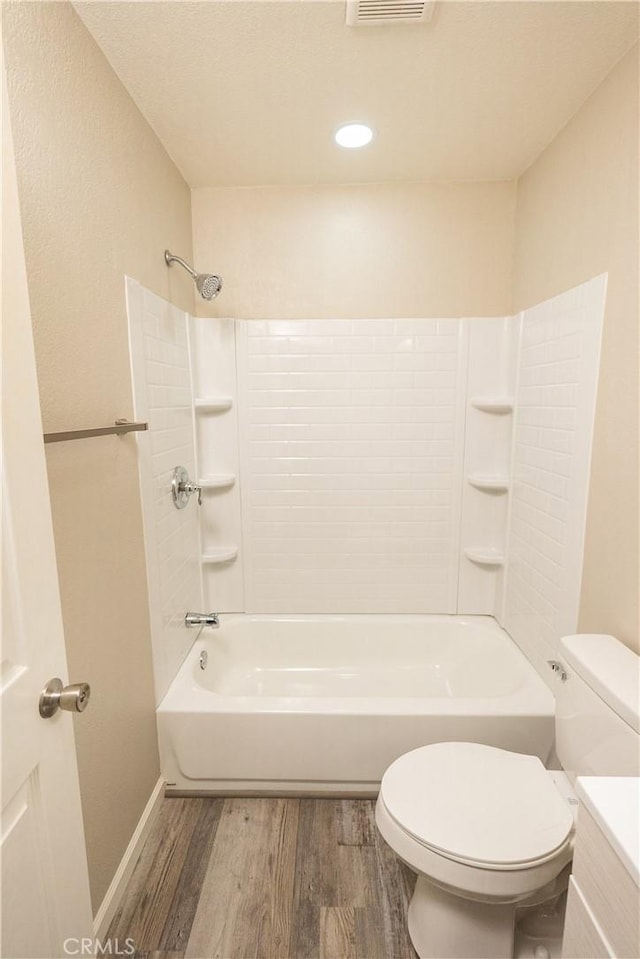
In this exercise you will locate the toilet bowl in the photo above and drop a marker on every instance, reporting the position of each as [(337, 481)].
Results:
[(486, 831), (490, 831)]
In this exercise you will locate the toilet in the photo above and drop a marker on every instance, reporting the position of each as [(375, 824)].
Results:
[(489, 831)]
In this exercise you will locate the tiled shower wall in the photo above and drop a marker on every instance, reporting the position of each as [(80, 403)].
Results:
[(351, 447), (163, 397), (555, 403)]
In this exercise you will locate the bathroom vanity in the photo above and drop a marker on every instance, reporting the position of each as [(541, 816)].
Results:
[(603, 907)]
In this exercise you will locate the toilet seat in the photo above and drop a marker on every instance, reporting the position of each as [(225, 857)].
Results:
[(478, 806)]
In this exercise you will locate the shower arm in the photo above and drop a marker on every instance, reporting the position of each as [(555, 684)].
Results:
[(207, 284), (169, 258)]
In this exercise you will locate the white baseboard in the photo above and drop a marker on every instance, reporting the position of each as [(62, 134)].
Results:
[(119, 882)]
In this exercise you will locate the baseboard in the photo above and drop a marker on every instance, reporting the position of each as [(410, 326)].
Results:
[(119, 882)]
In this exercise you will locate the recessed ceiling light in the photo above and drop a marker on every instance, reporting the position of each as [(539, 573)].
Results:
[(353, 135)]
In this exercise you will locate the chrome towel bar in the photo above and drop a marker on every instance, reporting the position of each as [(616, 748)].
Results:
[(119, 428)]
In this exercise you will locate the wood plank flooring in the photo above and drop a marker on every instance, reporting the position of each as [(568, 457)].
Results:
[(266, 879)]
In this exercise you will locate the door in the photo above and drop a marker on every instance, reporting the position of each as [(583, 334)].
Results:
[(45, 887)]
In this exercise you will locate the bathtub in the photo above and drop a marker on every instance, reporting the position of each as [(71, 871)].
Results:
[(323, 704)]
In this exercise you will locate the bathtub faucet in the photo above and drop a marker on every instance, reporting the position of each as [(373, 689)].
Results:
[(202, 619)]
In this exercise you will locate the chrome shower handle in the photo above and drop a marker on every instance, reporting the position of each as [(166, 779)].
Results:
[(182, 488), (191, 488)]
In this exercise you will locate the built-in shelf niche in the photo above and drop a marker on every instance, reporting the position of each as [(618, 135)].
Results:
[(493, 404), (222, 554), (487, 463), (218, 481), (213, 404), (490, 482), (484, 556), (213, 361)]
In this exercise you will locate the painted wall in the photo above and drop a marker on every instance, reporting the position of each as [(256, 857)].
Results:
[(372, 250), (100, 198), (577, 216)]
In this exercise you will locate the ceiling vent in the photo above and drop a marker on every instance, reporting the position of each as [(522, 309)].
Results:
[(371, 12)]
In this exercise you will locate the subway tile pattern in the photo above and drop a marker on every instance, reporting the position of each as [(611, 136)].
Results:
[(162, 395), (558, 375), (351, 447)]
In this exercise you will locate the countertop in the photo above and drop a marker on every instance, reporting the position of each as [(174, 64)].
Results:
[(614, 803)]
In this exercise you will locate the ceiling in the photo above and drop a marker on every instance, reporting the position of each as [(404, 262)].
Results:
[(247, 93)]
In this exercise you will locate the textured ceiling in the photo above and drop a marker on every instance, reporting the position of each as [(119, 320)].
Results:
[(244, 93)]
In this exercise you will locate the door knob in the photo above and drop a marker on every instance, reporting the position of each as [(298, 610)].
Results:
[(55, 696)]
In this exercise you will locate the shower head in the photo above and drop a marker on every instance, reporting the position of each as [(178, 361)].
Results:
[(207, 284)]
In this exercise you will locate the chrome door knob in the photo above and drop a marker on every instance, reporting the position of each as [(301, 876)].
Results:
[(55, 696)]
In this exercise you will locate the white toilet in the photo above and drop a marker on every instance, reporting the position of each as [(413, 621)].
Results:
[(488, 830)]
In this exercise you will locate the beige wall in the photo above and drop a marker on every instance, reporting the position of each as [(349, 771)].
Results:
[(374, 250), (577, 216), (100, 198)]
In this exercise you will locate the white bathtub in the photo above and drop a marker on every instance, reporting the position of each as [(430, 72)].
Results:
[(323, 704)]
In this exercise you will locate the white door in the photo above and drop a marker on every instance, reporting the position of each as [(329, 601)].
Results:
[(45, 886)]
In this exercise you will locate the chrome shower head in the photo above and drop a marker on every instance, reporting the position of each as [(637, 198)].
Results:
[(207, 284)]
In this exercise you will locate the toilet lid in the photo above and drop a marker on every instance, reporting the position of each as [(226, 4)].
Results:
[(477, 804)]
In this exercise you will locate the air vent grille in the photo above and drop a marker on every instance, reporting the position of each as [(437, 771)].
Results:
[(366, 12)]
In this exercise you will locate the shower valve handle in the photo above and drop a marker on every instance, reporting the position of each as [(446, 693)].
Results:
[(191, 488), (182, 488)]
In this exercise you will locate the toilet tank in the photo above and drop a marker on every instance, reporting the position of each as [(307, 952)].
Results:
[(597, 707)]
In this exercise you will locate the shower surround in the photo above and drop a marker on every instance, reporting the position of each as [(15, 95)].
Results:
[(351, 444), (359, 467)]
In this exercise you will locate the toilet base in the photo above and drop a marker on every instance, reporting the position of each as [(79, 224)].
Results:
[(443, 926)]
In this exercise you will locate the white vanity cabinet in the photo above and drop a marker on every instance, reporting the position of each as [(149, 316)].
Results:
[(603, 907)]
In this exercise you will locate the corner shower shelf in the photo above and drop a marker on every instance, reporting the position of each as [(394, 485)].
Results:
[(493, 404), (217, 481), (224, 554), (485, 556), (492, 482), (213, 404)]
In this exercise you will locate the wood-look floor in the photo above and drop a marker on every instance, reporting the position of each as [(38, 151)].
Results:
[(266, 879)]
